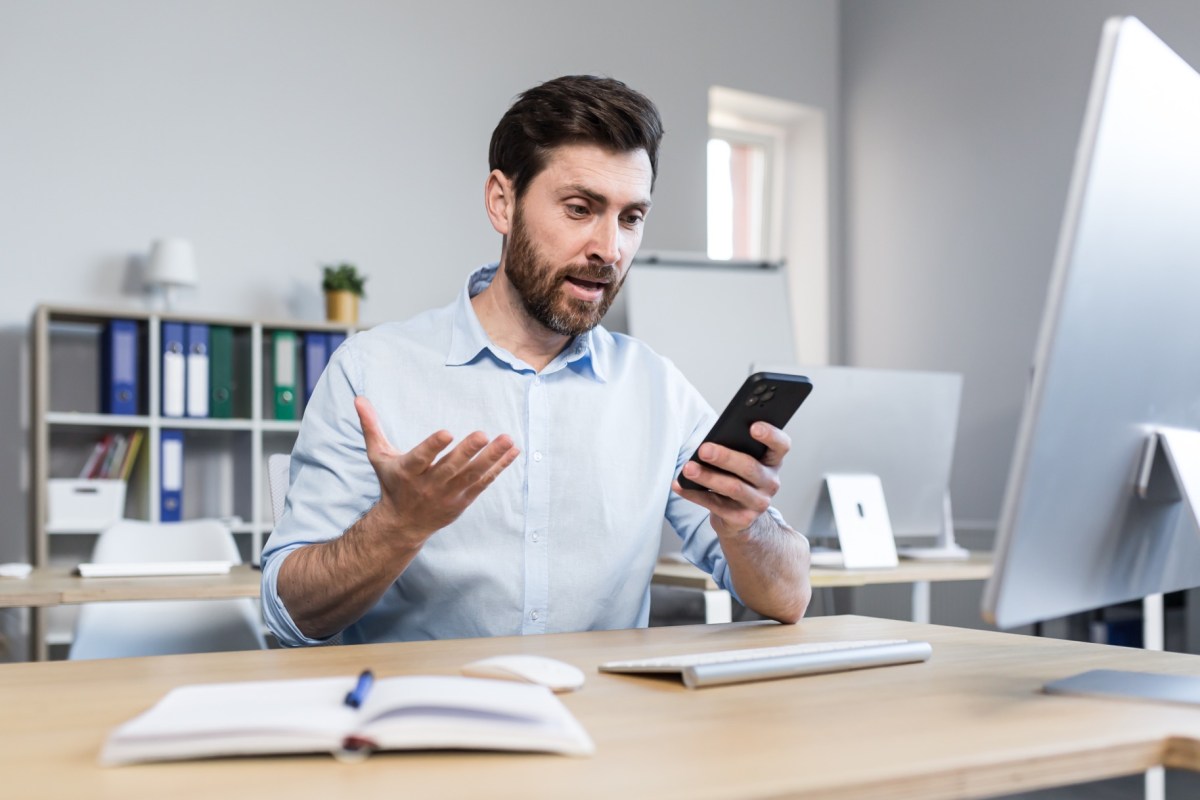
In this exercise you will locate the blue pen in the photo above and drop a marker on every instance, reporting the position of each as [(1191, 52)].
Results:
[(358, 694)]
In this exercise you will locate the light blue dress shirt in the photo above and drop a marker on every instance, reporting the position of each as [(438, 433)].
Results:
[(566, 537)]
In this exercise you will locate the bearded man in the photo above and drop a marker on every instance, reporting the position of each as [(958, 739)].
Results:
[(550, 522)]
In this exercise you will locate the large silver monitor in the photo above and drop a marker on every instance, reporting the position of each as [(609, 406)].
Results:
[(898, 425), (1094, 513)]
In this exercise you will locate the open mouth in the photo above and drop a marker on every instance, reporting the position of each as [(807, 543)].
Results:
[(591, 286)]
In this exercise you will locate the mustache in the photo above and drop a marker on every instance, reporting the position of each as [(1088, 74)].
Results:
[(597, 273)]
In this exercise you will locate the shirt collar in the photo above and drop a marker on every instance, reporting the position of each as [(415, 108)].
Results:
[(468, 340)]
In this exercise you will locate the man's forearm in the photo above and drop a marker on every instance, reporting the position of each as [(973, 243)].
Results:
[(328, 586), (768, 564)]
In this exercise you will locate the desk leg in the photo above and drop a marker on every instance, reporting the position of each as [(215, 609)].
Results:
[(718, 606), (920, 601), (1153, 638)]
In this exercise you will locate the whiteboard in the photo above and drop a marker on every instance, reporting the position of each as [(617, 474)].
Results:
[(714, 322)]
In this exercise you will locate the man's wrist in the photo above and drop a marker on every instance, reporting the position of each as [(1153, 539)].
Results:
[(384, 530), (761, 524)]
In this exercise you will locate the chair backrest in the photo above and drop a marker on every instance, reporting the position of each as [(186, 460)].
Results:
[(113, 630), (132, 540), (278, 469)]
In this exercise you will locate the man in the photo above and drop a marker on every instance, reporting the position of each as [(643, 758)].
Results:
[(553, 524)]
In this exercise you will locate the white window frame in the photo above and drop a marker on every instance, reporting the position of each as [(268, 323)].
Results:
[(799, 219)]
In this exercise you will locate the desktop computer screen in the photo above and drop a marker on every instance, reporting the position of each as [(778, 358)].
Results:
[(1116, 372), (899, 425)]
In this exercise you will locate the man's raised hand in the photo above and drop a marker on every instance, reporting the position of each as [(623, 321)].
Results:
[(420, 493)]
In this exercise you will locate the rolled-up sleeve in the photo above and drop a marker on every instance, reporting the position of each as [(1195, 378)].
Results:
[(331, 483)]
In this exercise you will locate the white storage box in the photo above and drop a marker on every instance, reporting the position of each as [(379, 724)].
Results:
[(84, 505)]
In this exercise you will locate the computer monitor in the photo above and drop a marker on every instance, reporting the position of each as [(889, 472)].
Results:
[(898, 425), (1096, 510)]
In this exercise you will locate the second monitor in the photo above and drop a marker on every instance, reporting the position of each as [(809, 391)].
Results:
[(899, 425)]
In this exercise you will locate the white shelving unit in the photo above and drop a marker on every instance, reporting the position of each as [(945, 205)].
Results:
[(225, 460)]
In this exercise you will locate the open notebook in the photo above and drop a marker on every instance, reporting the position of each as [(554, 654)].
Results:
[(311, 716)]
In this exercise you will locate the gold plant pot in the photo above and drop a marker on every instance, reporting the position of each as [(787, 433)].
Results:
[(341, 306)]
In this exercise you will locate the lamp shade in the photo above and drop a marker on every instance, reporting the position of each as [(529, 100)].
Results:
[(172, 263)]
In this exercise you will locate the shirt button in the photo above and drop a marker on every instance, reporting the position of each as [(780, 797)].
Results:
[(534, 615), (537, 456), (533, 538), (537, 380)]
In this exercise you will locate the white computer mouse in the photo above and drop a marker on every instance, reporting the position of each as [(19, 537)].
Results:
[(558, 676)]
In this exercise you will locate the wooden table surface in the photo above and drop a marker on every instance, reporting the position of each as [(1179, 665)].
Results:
[(977, 568), (971, 722), (53, 587)]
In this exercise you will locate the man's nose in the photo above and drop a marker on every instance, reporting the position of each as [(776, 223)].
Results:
[(605, 246)]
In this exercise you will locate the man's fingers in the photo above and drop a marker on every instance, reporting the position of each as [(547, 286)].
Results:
[(485, 480), (453, 462), (501, 449), (735, 515), (778, 442), (421, 457), (742, 466), (377, 442)]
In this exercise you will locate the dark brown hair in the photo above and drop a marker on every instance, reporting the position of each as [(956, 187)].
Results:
[(574, 109)]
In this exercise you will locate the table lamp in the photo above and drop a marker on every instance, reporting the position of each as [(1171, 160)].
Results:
[(172, 264)]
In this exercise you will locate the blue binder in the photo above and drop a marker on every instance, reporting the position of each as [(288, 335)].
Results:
[(174, 370), (119, 367), (171, 483), (316, 353), (197, 370), (335, 341)]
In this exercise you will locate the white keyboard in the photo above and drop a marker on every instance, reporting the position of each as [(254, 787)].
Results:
[(129, 569), (783, 661)]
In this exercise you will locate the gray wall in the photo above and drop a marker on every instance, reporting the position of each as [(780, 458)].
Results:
[(960, 124), (278, 134)]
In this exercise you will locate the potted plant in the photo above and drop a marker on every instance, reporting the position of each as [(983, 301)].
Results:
[(343, 288)]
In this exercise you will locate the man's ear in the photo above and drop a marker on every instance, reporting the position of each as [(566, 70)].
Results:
[(500, 201)]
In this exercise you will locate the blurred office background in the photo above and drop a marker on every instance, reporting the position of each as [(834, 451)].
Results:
[(279, 135)]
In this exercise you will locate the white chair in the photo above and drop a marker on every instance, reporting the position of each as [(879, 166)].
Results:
[(143, 628), (278, 476)]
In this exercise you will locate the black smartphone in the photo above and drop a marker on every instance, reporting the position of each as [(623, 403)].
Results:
[(772, 397)]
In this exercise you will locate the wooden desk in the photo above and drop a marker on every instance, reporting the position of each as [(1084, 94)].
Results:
[(54, 587), (969, 723), (919, 573)]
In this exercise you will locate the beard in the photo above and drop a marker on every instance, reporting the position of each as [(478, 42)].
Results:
[(539, 285)]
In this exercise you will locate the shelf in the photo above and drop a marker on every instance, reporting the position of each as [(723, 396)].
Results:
[(237, 527), (281, 425), (206, 424), (81, 419), (218, 465)]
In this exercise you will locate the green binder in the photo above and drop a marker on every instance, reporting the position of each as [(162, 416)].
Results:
[(283, 368), (220, 371)]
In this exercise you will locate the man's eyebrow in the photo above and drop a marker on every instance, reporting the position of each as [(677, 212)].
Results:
[(596, 197)]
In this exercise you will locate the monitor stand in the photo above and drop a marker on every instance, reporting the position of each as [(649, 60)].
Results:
[(1169, 472), (852, 508), (945, 549)]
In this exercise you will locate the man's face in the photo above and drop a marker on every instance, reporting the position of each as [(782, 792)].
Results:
[(575, 232)]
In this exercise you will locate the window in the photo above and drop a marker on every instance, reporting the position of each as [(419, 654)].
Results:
[(745, 162)]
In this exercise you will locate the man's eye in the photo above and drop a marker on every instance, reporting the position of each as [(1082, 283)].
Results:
[(577, 210), (634, 219)]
